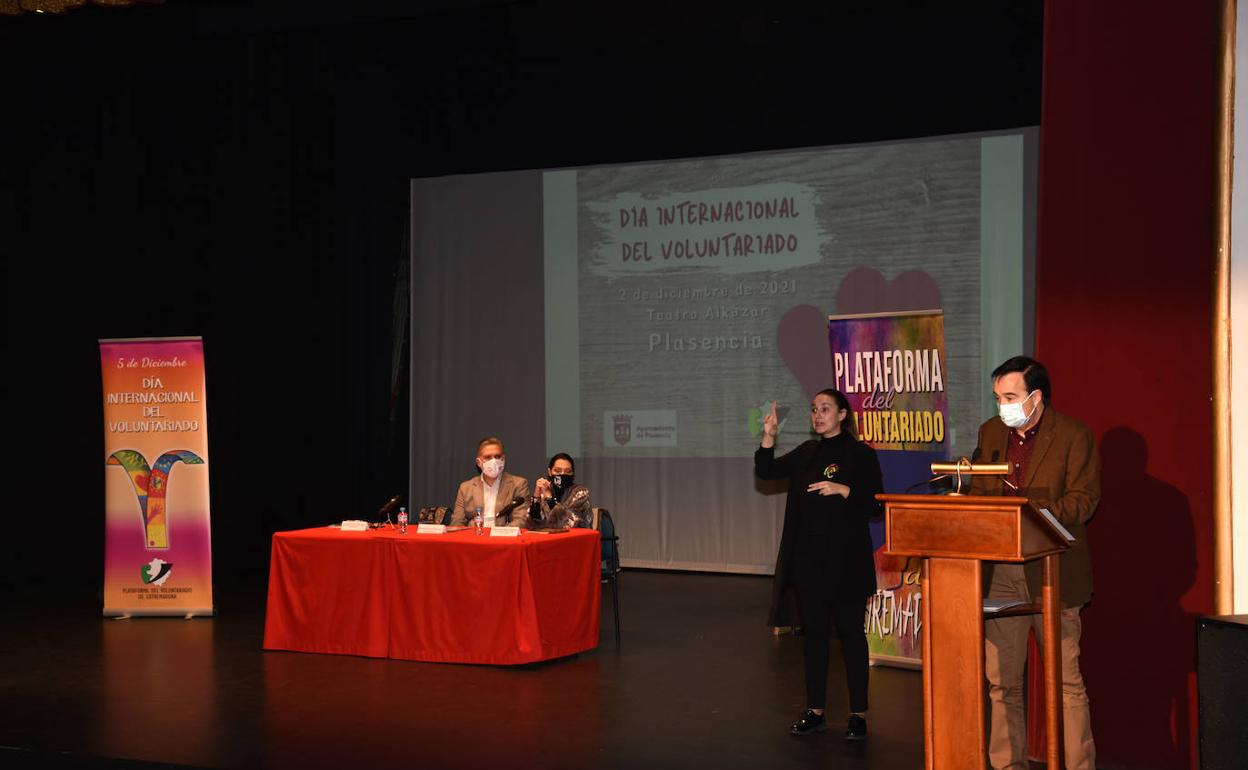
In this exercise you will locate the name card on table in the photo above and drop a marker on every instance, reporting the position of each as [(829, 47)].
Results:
[(431, 529), (504, 532), (354, 526)]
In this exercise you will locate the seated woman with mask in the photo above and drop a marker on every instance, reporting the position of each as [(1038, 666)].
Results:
[(558, 502)]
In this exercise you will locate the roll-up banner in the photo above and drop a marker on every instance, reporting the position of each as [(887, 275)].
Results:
[(891, 368), (157, 538)]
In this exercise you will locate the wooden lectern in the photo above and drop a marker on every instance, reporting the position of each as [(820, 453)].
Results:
[(955, 534)]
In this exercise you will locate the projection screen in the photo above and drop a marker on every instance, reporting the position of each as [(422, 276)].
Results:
[(640, 317)]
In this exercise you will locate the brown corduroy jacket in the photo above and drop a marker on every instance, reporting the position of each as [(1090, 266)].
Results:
[(1064, 475)]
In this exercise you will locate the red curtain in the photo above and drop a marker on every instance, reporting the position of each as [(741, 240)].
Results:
[(1123, 322)]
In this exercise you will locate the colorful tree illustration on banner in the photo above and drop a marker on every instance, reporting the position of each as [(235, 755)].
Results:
[(150, 486)]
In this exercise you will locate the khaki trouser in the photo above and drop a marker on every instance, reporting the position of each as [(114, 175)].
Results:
[(1005, 653)]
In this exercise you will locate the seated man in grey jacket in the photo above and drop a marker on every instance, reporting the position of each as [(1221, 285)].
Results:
[(502, 497)]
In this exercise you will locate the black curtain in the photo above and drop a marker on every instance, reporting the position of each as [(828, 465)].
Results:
[(240, 171)]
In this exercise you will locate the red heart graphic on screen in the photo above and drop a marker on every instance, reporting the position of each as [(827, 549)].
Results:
[(802, 339), (802, 334), (865, 290)]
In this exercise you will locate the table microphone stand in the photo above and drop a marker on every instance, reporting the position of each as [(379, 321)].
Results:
[(390, 505)]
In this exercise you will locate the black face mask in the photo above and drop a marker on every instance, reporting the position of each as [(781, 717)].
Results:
[(561, 482)]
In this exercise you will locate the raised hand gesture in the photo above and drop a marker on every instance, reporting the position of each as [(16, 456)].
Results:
[(771, 426), (542, 488)]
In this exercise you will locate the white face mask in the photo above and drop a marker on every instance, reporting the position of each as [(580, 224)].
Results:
[(492, 467), (1013, 415)]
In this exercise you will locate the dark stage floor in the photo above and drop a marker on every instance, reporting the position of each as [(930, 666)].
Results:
[(698, 681)]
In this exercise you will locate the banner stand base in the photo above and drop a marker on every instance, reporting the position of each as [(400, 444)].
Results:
[(172, 612)]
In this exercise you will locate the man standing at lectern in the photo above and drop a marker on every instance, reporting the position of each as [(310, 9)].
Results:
[(1053, 463)]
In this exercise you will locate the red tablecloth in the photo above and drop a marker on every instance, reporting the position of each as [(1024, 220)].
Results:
[(452, 598)]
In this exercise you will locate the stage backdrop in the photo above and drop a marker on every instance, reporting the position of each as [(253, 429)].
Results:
[(640, 317), (157, 551)]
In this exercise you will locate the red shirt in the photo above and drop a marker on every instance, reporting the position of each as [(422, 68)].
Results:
[(1018, 453)]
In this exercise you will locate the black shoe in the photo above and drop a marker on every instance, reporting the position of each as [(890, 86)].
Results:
[(809, 723), (856, 729)]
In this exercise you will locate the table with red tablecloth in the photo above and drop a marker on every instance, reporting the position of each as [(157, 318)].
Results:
[(456, 597)]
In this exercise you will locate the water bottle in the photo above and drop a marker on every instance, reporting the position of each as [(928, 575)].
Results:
[(402, 521), (478, 520)]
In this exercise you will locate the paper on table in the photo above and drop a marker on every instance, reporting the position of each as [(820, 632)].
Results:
[(997, 605), (1057, 525)]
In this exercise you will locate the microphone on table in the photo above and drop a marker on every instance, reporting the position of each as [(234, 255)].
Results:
[(506, 513), (390, 506)]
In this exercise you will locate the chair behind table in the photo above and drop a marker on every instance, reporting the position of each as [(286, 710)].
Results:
[(610, 565), (435, 514)]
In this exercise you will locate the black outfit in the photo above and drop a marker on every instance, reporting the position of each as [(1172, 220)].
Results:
[(826, 553)]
